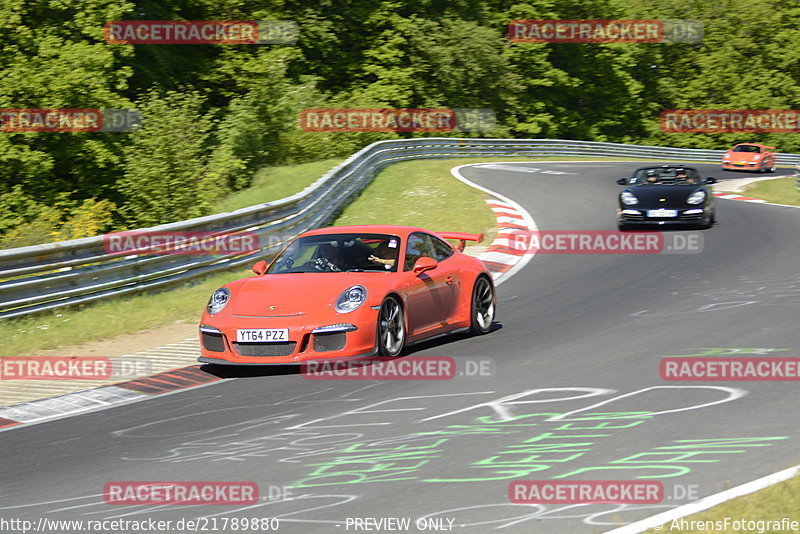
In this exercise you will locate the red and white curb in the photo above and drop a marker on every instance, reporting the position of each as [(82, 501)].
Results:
[(501, 258), (740, 198), (99, 398)]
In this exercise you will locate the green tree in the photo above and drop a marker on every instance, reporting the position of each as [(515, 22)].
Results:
[(166, 176)]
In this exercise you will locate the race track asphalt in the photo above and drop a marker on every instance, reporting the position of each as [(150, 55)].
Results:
[(575, 395)]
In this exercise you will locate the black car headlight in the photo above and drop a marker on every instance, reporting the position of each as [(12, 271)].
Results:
[(218, 300), (697, 197)]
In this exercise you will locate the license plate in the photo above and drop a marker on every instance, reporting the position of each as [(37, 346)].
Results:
[(262, 335), (662, 213), (740, 164)]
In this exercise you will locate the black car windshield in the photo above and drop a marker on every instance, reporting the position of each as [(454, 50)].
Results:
[(333, 253), (666, 176), (747, 148)]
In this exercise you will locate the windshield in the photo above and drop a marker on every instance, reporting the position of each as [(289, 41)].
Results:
[(332, 253), (666, 176), (747, 148)]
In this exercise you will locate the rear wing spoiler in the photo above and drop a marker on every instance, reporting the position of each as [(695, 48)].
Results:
[(462, 238)]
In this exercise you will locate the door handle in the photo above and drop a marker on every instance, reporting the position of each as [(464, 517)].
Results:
[(449, 279)]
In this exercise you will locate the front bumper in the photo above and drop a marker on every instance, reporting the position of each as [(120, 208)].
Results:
[(353, 336), (629, 216), (743, 166)]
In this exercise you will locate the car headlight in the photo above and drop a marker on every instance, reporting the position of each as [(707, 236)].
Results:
[(628, 198), (697, 197), (218, 300), (352, 298)]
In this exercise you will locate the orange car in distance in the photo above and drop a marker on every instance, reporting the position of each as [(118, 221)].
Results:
[(749, 157)]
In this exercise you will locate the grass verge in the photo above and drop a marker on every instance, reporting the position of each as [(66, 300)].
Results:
[(424, 194), (418, 193), (272, 183), (770, 504), (108, 319), (777, 191)]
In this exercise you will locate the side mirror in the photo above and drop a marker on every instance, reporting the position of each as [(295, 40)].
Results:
[(424, 264), (711, 180), (622, 181), (260, 267)]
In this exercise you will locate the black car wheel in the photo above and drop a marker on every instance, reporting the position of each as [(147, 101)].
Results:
[(483, 306), (391, 328)]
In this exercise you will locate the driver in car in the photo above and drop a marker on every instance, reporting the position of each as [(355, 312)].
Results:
[(682, 176), (327, 258)]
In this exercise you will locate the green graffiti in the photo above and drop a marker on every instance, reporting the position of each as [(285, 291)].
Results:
[(357, 449), (359, 476), (380, 464), (655, 460), (486, 425), (535, 456), (554, 450)]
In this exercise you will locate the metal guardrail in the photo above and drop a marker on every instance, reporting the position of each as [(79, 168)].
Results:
[(797, 177), (45, 277)]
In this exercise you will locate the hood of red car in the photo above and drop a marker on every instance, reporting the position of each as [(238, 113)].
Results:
[(295, 293)]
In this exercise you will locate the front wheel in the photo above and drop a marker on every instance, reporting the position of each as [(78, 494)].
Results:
[(391, 328), (710, 222), (482, 306)]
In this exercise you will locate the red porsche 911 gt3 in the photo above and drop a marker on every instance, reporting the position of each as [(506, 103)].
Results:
[(749, 157), (349, 291)]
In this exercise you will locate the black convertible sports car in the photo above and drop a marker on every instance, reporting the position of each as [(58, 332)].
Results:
[(666, 195)]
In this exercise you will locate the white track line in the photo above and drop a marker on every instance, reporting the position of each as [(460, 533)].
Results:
[(705, 503)]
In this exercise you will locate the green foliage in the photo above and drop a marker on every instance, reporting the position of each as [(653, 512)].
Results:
[(166, 172), (30, 222)]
